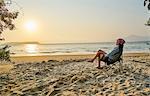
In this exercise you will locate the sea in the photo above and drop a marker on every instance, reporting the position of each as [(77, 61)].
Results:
[(39, 49)]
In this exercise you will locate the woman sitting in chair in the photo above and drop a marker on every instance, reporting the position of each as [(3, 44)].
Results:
[(113, 56)]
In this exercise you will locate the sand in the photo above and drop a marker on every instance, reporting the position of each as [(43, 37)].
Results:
[(72, 75), (5, 68), (25, 59)]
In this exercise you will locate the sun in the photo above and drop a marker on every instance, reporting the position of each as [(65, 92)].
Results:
[(30, 26)]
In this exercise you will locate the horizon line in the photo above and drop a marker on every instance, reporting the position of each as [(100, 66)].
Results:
[(36, 42)]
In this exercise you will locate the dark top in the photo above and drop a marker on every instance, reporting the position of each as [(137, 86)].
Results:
[(115, 54)]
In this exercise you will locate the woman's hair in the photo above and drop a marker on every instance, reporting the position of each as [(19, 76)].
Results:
[(120, 41)]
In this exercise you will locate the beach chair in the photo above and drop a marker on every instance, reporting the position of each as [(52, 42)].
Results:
[(116, 57)]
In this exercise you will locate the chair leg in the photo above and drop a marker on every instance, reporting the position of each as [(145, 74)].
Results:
[(107, 67), (120, 67)]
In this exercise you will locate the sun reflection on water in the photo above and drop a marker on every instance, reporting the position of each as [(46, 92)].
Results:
[(31, 48)]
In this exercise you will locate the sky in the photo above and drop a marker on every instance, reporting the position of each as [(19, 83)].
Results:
[(75, 21)]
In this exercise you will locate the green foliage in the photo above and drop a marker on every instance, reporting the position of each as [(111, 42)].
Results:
[(6, 18), (5, 54), (148, 23), (147, 4), (6, 22)]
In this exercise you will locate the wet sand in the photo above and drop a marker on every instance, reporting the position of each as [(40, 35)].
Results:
[(71, 75), (24, 59)]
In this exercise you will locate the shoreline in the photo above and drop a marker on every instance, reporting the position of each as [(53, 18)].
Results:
[(40, 58)]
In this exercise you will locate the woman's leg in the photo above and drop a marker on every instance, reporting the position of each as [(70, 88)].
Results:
[(100, 54)]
